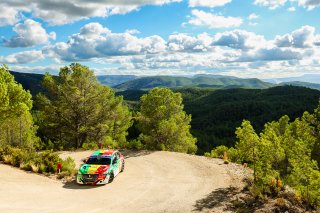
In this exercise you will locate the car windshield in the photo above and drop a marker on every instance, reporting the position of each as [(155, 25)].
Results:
[(99, 160)]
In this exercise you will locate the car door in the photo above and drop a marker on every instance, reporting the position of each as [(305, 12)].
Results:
[(116, 164)]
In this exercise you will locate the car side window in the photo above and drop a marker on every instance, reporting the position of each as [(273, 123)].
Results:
[(115, 158)]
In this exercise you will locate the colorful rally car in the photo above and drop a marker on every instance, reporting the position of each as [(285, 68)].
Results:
[(101, 167)]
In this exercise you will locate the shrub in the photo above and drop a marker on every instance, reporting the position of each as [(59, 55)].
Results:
[(135, 144), (26, 166), (68, 166), (90, 146), (233, 155), (218, 152), (1, 154), (207, 154), (50, 161), (34, 168)]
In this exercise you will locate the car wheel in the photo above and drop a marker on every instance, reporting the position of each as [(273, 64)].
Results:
[(122, 168), (111, 178)]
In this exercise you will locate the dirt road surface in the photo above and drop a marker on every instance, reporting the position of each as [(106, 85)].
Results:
[(151, 182)]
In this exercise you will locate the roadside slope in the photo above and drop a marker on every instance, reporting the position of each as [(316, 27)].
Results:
[(151, 182)]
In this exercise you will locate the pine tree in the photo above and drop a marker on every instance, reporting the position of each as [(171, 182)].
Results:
[(77, 109), (16, 124), (163, 123)]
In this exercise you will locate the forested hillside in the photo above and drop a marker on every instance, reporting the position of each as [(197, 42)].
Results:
[(201, 81), (217, 113)]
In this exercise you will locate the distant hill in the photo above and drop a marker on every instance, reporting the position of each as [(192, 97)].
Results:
[(32, 82), (29, 81), (113, 80), (217, 113), (146, 83), (310, 78), (301, 84)]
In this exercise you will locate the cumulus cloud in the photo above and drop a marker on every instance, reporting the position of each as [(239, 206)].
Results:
[(96, 41), (58, 12), (185, 43), (231, 51), (291, 9), (211, 20), (29, 33), (309, 4), (253, 16), (272, 4), (208, 3), (303, 37), (271, 54), (239, 39), (22, 57)]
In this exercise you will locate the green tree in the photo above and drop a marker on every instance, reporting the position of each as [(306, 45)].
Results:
[(248, 145), (163, 123), (16, 124), (77, 109)]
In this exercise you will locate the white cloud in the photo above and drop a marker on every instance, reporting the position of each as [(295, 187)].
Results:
[(309, 4), (185, 43), (95, 41), (8, 16), (236, 52), (211, 20), (253, 16), (22, 57), (253, 23), (59, 12), (240, 39), (271, 54), (303, 37), (272, 4), (208, 3), (291, 9), (29, 33)]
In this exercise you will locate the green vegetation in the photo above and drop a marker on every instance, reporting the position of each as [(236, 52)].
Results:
[(302, 84), (16, 124), (197, 81), (79, 110), (113, 80), (217, 113), (29, 81), (163, 123), (44, 162), (284, 153)]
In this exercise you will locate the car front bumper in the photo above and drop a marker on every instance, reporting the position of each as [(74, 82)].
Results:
[(92, 179)]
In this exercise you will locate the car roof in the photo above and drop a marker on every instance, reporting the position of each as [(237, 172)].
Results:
[(105, 152)]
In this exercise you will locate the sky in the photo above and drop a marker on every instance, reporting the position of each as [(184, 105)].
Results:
[(243, 38)]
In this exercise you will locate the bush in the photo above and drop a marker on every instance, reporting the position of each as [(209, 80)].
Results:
[(233, 155), (90, 146), (218, 152), (45, 162), (50, 161), (68, 166), (135, 144)]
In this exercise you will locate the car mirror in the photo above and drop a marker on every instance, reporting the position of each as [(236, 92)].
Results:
[(84, 160)]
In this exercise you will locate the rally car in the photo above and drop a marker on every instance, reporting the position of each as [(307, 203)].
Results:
[(101, 167)]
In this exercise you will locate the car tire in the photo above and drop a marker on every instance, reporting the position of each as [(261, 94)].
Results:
[(111, 178), (122, 168)]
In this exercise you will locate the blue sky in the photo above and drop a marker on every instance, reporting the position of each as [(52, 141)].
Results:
[(244, 38)]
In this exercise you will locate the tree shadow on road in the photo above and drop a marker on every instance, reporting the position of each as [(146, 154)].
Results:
[(73, 185), (132, 154), (217, 198)]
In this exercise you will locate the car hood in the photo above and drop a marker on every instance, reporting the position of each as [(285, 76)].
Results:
[(93, 169)]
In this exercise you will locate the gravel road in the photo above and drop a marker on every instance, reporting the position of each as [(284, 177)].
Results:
[(151, 182)]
